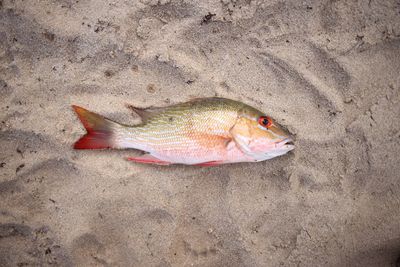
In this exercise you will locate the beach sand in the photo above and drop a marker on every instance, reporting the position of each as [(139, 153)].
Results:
[(326, 70)]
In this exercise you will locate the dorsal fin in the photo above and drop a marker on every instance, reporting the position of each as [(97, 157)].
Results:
[(145, 113)]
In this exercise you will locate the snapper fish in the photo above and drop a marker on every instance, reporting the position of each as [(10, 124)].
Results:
[(205, 132)]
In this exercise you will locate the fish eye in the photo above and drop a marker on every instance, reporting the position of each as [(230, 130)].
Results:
[(265, 121)]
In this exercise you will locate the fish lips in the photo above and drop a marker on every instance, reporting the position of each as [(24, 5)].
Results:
[(286, 143), (277, 149), (280, 148)]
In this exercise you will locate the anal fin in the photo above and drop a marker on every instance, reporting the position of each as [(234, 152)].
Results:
[(149, 159), (209, 163)]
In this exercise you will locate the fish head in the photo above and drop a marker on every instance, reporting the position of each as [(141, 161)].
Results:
[(260, 137)]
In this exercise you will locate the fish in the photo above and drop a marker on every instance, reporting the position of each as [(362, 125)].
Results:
[(203, 132)]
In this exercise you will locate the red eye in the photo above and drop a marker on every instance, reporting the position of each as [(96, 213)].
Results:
[(265, 121)]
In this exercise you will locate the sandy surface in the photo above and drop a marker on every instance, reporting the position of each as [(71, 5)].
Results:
[(327, 70)]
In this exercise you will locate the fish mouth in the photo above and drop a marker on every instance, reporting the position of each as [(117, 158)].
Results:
[(285, 143), (289, 143)]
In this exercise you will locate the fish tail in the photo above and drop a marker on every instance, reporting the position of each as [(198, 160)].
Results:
[(101, 132)]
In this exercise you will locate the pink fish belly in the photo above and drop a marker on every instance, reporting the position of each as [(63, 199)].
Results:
[(219, 152)]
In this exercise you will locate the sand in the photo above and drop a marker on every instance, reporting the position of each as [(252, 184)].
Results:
[(326, 70)]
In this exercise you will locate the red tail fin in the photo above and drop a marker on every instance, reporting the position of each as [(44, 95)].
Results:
[(99, 130)]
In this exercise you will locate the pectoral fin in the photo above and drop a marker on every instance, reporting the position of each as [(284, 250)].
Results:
[(241, 135)]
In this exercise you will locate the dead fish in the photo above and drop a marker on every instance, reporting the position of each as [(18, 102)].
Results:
[(206, 132)]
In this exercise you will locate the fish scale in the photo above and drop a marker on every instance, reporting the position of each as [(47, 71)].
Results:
[(182, 127)]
